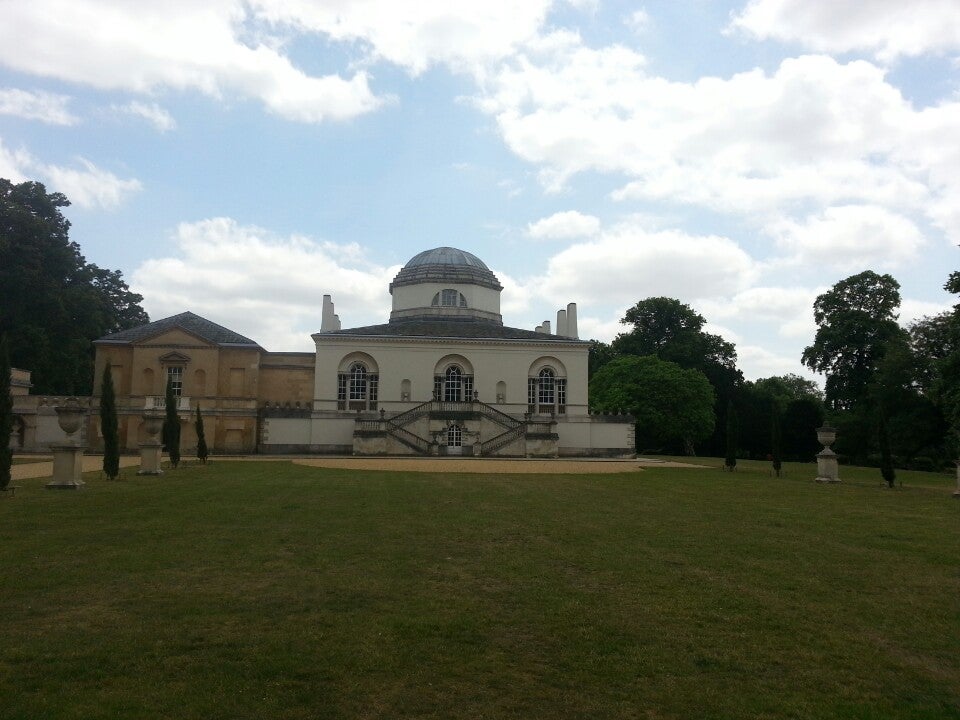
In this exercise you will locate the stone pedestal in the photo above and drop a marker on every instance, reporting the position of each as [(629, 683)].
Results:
[(68, 455), (151, 451), (150, 457), (828, 471), (67, 467)]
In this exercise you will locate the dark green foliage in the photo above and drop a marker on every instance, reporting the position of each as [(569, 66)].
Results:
[(171, 426), (776, 441), (109, 426), (856, 320), (886, 456), (673, 407), (53, 303), (801, 418), (201, 438), (599, 355), (733, 436), (673, 331), (6, 414)]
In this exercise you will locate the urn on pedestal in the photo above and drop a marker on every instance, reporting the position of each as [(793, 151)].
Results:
[(827, 469), (68, 455), (151, 448)]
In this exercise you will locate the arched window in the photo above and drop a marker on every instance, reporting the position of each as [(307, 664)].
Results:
[(358, 382), (547, 393), (453, 384), (449, 297), (547, 387), (357, 388)]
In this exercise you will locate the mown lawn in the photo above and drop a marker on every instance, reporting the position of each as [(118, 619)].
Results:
[(269, 590)]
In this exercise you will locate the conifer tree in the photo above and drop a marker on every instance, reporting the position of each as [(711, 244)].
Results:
[(886, 456), (109, 426), (201, 438), (6, 415), (730, 463), (171, 426), (776, 440)]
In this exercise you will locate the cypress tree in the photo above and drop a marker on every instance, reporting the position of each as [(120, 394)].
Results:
[(776, 440), (201, 438), (886, 457), (171, 427), (6, 415), (730, 463), (109, 426)]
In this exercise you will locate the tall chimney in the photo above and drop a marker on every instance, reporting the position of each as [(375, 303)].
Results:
[(328, 321), (572, 321), (562, 323)]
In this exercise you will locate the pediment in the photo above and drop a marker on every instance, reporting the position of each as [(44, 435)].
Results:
[(174, 358), (174, 337)]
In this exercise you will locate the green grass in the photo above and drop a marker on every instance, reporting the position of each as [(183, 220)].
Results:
[(268, 590)]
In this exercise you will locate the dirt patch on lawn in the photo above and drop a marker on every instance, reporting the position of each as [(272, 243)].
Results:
[(490, 465)]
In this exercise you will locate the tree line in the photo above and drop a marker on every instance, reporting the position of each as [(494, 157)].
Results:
[(892, 393)]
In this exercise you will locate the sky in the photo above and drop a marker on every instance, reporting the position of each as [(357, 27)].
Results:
[(242, 158)]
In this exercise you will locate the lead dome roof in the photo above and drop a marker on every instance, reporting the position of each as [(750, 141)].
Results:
[(446, 265)]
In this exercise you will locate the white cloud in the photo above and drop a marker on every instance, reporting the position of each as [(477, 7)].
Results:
[(638, 21), (463, 34), (626, 263), (912, 310), (152, 113), (756, 362), (815, 133), (266, 287), (14, 164), (788, 309), (88, 185), (50, 108), (887, 28), (85, 185), (179, 45), (850, 237), (564, 226)]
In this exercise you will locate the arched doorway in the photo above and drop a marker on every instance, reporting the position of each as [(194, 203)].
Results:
[(454, 440)]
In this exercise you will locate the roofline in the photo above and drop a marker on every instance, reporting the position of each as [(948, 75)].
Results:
[(468, 340)]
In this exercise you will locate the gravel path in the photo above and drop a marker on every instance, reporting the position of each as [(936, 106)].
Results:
[(44, 468), (490, 465)]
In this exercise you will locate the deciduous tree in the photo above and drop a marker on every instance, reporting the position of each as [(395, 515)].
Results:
[(673, 407), (856, 319), (53, 303)]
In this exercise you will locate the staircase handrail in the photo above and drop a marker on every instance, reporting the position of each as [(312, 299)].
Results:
[(407, 437), (504, 438), (413, 414)]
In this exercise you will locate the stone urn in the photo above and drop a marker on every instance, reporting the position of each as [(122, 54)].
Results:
[(827, 469), (68, 455), (152, 423), (70, 417), (826, 436), (150, 449)]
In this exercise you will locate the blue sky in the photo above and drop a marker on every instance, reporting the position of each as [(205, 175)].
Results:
[(241, 159)]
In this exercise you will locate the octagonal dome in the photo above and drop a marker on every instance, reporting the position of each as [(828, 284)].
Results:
[(446, 265)]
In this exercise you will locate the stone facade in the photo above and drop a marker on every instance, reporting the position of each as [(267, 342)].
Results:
[(442, 376)]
